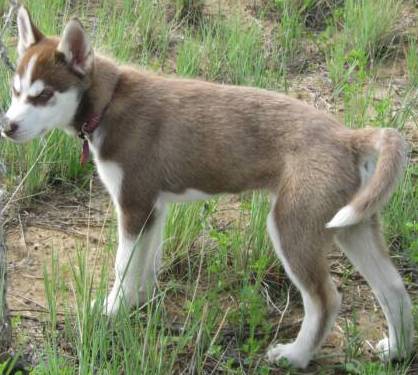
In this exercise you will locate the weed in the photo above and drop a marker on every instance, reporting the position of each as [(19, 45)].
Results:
[(232, 51), (189, 57), (289, 35), (368, 32), (353, 338), (370, 25), (412, 61)]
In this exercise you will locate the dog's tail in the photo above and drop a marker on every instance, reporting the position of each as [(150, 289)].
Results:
[(391, 150)]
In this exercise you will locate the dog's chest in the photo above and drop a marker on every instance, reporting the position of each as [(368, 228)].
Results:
[(110, 173)]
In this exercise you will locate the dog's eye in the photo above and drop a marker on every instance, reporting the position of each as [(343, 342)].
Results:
[(42, 98), (45, 94)]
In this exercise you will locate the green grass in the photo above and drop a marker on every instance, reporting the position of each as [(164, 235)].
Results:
[(148, 340), (213, 310), (368, 30), (133, 32), (289, 35), (412, 61)]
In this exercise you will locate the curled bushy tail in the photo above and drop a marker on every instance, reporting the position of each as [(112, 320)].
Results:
[(391, 160)]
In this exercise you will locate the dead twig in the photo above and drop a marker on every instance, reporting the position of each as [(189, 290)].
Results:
[(6, 24)]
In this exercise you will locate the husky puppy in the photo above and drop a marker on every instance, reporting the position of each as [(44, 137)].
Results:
[(156, 140)]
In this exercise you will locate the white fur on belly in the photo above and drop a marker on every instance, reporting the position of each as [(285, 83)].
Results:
[(188, 195)]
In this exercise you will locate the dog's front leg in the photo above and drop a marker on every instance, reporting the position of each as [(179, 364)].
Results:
[(138, 257)]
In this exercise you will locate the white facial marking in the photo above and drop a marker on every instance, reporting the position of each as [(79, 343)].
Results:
[(27, 75), (34, 120), (16, 83), (36, 88)]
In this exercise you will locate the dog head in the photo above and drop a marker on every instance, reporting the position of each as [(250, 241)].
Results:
[(50, 78)]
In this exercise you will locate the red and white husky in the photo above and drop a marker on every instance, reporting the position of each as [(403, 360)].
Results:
[(156, 140)]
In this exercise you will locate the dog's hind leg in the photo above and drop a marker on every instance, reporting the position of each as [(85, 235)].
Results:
[(301, 246), (365, 247)]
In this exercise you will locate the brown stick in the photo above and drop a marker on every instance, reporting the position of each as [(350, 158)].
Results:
[(5, 324), (7, 22)]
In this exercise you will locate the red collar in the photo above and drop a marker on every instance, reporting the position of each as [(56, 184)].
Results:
[(89, 126), (87, 129)]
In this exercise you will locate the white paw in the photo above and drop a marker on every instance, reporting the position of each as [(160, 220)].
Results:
[(388, 352), (112, 304), (114, 301), (109, 307), (294, 355), (383, 350)]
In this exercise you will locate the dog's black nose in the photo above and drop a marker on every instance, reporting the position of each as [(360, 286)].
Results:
[(10, 128)]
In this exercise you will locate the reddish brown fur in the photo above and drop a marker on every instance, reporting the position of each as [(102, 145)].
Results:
[(50, 66)]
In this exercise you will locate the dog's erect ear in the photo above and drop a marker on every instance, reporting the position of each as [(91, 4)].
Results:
[(28, 33), (76, 48)]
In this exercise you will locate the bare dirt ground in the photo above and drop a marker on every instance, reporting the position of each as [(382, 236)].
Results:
[(58, 225)]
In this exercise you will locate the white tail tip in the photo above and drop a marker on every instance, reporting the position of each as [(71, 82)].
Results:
[(344, 217)]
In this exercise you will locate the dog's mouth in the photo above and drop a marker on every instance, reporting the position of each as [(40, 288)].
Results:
[(22, 137), (13, 138), (2, 134)]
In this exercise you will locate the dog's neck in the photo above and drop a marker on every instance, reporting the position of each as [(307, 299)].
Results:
[(99, 93)]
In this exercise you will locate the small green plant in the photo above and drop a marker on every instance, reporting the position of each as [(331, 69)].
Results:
[(357, 101), (369, 25), (289, 34), (252, 313), (383, 109), (367, 34), (412, 61), (136, 32), (232, 51), (189, 55), (353, 339), (401, 214)]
